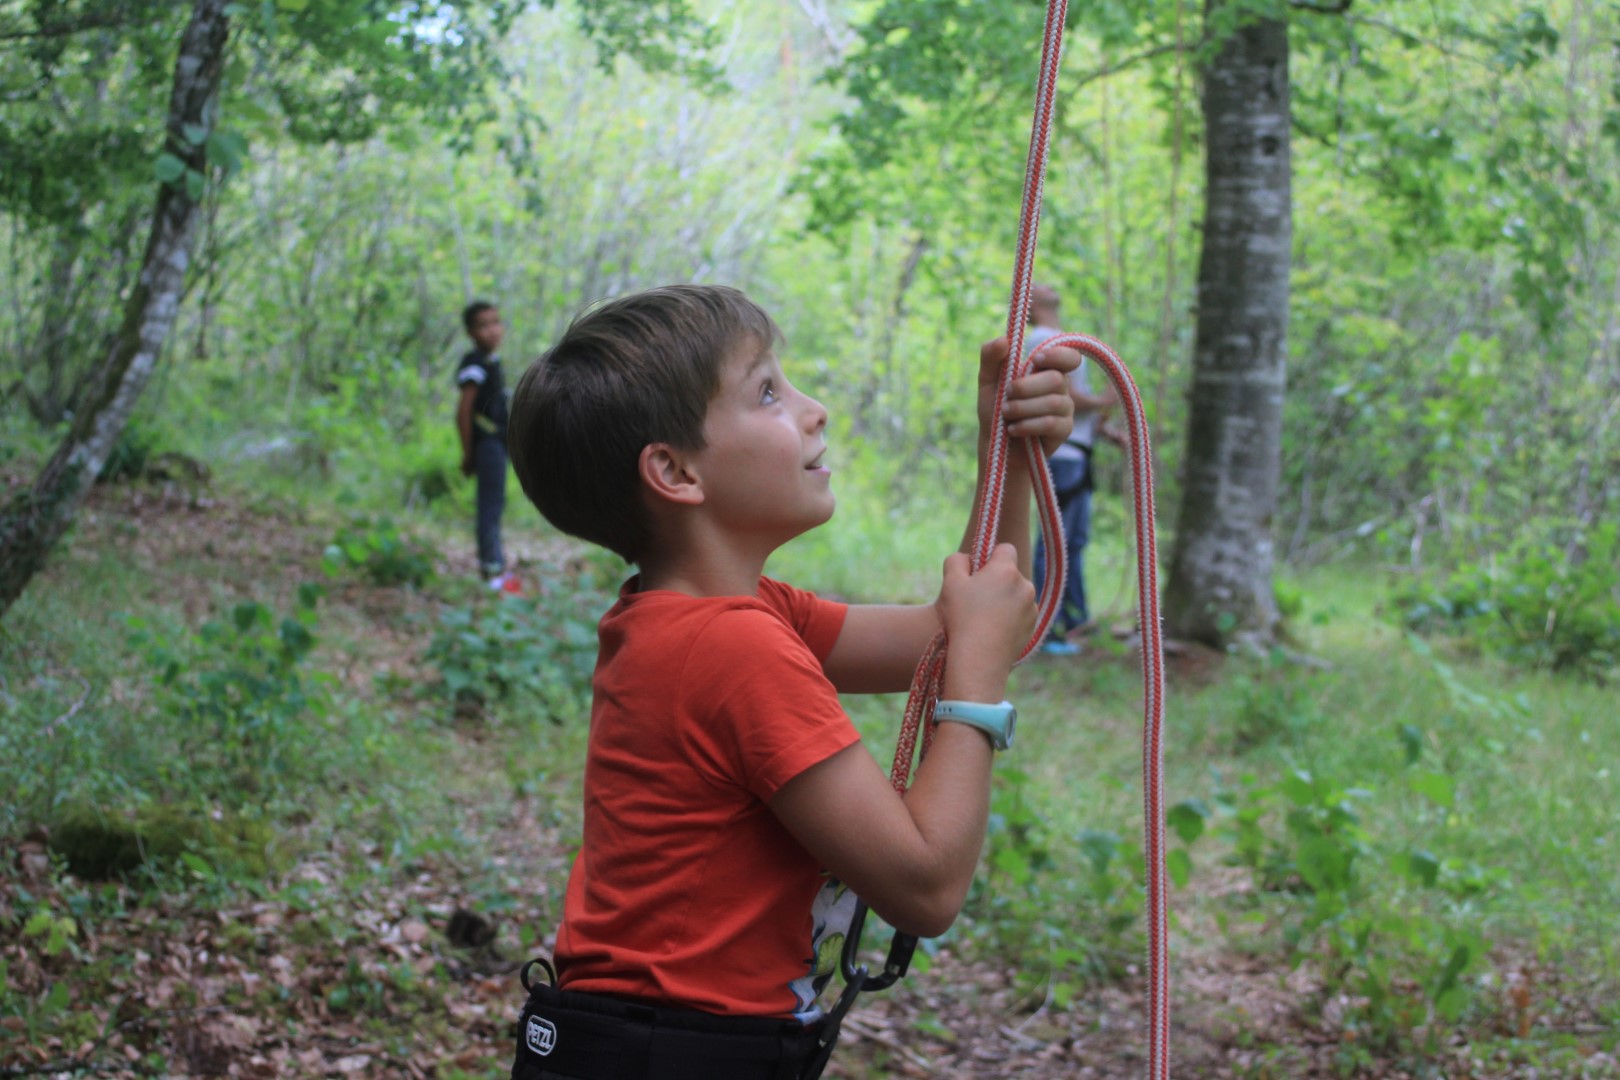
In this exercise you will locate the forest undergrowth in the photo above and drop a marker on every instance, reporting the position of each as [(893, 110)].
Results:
[(307, 812)]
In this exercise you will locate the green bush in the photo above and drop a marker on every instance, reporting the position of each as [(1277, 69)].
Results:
[(1069, 929), (239, 697), (129, 456), (379, 552), (504, 649), (1537, 606), (1401, 965)]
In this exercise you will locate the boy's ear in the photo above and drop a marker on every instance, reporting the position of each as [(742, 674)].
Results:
[(665, 472)]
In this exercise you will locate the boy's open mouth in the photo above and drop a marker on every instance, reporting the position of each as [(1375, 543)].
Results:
[(815, 462)]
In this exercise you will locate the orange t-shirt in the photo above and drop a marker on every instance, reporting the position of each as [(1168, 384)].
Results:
[(687, 889)]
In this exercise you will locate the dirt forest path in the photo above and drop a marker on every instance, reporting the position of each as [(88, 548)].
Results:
[(355, 961)]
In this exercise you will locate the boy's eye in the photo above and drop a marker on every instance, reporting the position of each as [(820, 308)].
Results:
[(767, 393)]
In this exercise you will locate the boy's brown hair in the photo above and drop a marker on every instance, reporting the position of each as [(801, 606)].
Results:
[(637, 370)]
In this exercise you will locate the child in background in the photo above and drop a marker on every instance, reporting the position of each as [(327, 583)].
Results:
[(481, 423), (730, 811)]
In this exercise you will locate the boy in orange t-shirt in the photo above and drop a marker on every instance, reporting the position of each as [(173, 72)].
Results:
[(731, 815)]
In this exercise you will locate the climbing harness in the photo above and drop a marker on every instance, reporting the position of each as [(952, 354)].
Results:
[(929, 679)]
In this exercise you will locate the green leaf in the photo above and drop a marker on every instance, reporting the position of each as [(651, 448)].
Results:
[(199, 865), (195, 184), (292, 5), (195, 134), (1299, 788), (38, 923), (1412, 741), (244, 615), (294, 635), (168, 168), (1451, 1003), (226, 150), (56, 1000), (1187, 818), (1419, 866), (1179, 864), (1438, 788)]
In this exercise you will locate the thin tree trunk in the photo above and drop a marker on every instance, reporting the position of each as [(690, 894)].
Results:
[(1220, 572), (34, 520), (50, 351)]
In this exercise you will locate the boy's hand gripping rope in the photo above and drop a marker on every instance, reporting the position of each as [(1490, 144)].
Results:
[(927, 683)]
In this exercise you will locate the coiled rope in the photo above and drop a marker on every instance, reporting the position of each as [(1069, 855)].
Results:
[(929, 679)]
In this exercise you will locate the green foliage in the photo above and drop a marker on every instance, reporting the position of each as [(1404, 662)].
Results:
[(241, 700), (1276, 700), (1403, 962), (379, 552), (1071, 927), (1539, 605), (370, 988), (507, 650), (129, 456)]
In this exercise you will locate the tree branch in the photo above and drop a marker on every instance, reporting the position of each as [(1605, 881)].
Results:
[(1408, 37), (1130, 61), (1338, 8)]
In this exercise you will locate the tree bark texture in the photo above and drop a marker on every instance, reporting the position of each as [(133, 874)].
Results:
[(1220, 571), (33, 521)]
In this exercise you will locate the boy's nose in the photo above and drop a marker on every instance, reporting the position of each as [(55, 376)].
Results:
[(815, 414)]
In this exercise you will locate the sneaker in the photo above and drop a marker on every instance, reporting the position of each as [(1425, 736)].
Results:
[(506, 583), (1059, 647)]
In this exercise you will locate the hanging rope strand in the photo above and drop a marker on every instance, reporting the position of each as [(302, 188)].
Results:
[(929, 679)]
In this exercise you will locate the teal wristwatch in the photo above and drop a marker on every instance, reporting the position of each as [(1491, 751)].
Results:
[(996, 721)]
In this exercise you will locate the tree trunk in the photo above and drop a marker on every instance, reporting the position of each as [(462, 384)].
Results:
[(49, 354), (1220, 572), (33, 521)]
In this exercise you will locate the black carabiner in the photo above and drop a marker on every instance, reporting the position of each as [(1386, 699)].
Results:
[(901, 950)]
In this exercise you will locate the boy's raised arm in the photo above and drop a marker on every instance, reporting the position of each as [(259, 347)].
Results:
[(912, 858), (878, 649)]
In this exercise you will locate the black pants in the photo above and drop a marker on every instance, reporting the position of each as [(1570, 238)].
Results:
[(489, 461), (569, 1036)]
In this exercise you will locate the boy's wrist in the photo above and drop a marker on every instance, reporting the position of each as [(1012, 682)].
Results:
[(969, 681)]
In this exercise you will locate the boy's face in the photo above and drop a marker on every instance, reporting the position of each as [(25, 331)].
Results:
[(487, 330), (761, 468)]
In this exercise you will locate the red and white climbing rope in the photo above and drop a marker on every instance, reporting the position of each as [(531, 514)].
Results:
[(926, 685)]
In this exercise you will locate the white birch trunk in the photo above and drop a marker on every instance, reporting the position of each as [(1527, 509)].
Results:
[(33, 521)]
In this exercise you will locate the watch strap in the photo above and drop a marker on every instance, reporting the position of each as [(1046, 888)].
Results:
[(996, 721)]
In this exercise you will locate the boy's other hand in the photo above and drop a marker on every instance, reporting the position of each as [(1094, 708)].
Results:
[(988, 617), (468, 465), (1038, 403)]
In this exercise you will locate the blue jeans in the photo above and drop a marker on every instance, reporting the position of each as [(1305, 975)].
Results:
[(489, 462), (1074, 505)]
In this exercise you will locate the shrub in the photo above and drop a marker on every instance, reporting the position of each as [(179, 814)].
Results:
[(128, 458), (1539, 605), (239, 697), (503, 649), (1085, 925), (1399, 966), (379, 552)]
